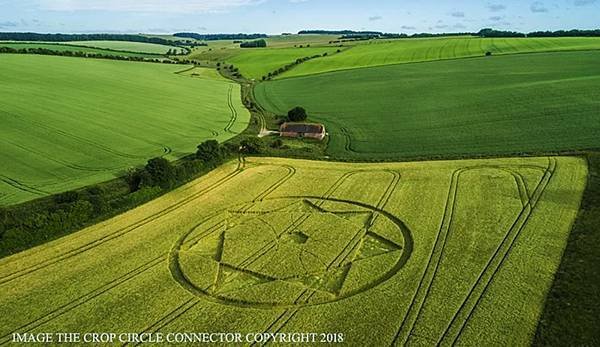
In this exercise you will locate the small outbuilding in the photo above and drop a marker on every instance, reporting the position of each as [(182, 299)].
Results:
[(300, 130)]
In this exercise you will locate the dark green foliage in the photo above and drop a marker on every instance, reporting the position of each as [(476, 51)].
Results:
[(560, 33), (38, 221), (278, 143), (66, 197), (87, 37), (487, 32), (254, 44), (572, 311), (488, 54), (161, 173), (210, 152), (116, 56), (297, 114), (252, 145), (213, 37)]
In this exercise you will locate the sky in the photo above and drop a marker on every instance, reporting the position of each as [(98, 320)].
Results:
[(277, 16)]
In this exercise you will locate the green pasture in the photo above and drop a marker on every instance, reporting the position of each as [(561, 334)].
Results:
[(257, 62), (385, 52), (295, 40), (525, 103), (59, 47), (70, 122), (129, 46), (447, 252)]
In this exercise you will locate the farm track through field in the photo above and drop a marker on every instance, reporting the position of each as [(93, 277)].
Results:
[(82, 139), (119, 232), (234, 114), (22, 186), (443, 49), (413, 313), (291, 171), (6, 339), (63, 162), (348, 142), (169, 318), (476, 293)]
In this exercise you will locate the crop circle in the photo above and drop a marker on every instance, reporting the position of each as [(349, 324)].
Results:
[(290, 252)]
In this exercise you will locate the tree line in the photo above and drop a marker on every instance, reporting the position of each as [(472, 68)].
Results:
[(488, 32), (80, 54), (254, 44), (213, 37), (291, 65), (34, 37), (36, 222)]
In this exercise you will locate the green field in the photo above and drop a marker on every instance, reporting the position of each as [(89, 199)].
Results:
[(59, 47), (257, 62), (70, 122), (381, 253), (300, 40), (376, 53), (139, 47), (494, 105)]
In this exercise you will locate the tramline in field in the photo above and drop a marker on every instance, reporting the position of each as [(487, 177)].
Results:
[(383, 253), (93, 119)]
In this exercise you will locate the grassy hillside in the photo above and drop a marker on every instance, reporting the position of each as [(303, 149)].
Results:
[(139, 47), (70, 122), (300, 40), (494, 105), (375, 53), (353, 254), (258, 62), (60, 47)]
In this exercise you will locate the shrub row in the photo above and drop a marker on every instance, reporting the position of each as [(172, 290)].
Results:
[(45, 51), (291, 65), (36, 222)]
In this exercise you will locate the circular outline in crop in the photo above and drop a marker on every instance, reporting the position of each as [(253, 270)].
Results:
[(180, 277)]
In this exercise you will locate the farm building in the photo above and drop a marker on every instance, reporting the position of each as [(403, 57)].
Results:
[(311, 130)]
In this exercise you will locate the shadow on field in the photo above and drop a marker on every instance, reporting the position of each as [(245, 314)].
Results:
[(571, 315)]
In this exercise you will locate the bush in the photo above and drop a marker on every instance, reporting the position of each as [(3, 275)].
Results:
[(488, 54), (277, 143), (253, 44), (252, 145), (161, 172), (210, 152), (297, 114)]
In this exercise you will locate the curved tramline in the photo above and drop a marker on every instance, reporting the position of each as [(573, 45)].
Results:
[(284, 245), (94, 119)]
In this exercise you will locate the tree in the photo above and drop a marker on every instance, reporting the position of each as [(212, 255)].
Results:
[(252, 145), (297, 114), (209, 152), (278, 143), (254, 44), (161, 172)]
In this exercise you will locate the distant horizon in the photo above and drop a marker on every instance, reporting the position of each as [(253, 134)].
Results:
[(282, 33), (274, 17)]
